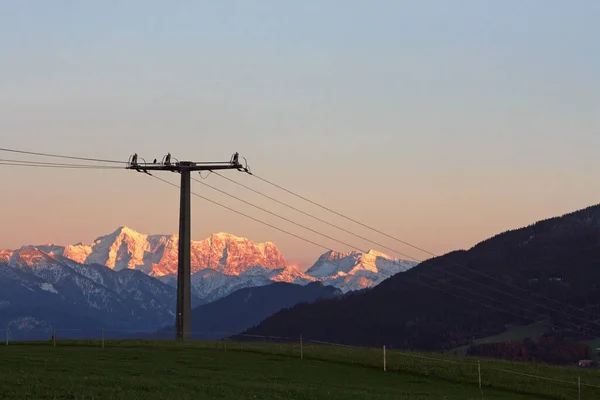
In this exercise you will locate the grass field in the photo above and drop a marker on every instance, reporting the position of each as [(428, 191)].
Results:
[(531, 331), (139, 370)]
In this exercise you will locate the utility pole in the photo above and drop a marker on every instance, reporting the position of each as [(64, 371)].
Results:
[(184, 168)]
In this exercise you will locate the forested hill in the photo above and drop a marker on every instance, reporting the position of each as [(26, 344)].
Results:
[(248, 306), (541, 272)]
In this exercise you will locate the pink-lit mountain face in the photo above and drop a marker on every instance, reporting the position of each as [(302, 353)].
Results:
[(156, 255), (356, 270), (221, 264)]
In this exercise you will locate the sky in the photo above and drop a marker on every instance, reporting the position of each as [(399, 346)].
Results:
[(440, 123)]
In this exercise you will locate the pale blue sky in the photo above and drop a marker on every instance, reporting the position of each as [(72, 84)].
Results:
[(442, 122)]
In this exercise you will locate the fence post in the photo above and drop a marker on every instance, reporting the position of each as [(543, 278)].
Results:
[(579, 387), (54, 335), (384, 359), (7, 335), (102, 337), (301, 348), (479, 372)]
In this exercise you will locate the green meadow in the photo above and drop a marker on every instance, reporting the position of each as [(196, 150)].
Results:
[(228, 370)]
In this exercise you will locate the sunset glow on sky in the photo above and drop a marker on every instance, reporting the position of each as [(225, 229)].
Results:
[(442, 123)]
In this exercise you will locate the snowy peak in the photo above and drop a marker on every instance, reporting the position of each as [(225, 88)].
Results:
[(31, 257), (333, 262), (122, 249), (78, 253), (292, 274), (233, 255), (157, 255), (345, 263), (356, 270), (336, 255), (5, 255), (110, 250)]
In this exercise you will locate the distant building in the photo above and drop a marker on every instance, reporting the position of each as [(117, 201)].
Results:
[(585, 363)]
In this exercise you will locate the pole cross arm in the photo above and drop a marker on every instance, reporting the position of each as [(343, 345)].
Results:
[(141, 165)]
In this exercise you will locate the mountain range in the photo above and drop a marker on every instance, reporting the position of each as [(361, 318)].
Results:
[(38, 289), (547, 272), (222, 263), (126, 280)]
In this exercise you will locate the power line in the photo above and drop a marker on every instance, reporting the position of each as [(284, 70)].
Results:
[(501, 302), (479, 302), (246, 215), (595, 316), (61, 156), (419, 248), (339, 214), (510, 305), (313, 216), (278, 216), (346, 244), (490, 306), (504, 303), (389, 248), (44, 163), (518, 298), (316, 244), (98, 167), (449, 272)]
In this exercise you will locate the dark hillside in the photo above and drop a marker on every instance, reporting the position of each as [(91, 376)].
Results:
[(446, 301), (247, 307)]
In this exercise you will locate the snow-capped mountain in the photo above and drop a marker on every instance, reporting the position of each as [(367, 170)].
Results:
[(345, 271), (210, 285), (37, 283), (156, 255), (127, 274), (356, 270)]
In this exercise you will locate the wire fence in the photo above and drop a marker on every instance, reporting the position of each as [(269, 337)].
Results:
[(518, 377)]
